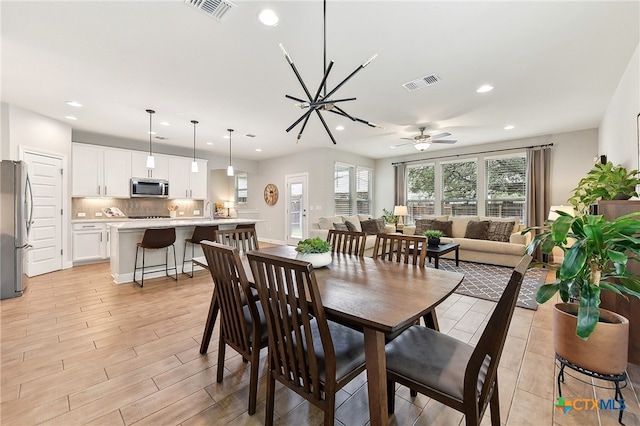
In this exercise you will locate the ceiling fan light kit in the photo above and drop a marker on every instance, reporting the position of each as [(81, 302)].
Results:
[(422, 141), (322, 101)]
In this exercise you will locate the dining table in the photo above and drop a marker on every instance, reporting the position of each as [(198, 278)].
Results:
[(378, 296)]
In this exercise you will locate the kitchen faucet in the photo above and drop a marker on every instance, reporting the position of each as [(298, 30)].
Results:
[(209, 207)]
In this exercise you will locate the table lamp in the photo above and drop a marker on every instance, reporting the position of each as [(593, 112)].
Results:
[(400, 211), (228, 205)]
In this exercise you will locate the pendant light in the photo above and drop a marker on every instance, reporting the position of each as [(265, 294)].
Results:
[(150, 161), (230, 167), (194, 164)]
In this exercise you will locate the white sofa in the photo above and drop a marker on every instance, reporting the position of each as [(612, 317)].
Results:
[(484, 251), (321, 229)]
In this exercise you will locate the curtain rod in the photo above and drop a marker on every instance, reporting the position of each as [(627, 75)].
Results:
[(472, 153)]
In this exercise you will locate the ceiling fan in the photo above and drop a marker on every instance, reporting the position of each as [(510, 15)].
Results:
[(422, 141)]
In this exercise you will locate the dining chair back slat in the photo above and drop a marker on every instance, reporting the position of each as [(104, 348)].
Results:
[(302, 353), (347, 242), (244, 239), (242, 326), (406, 249)]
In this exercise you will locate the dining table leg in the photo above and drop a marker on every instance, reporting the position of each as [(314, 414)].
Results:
[(211, 322), (376, 376)]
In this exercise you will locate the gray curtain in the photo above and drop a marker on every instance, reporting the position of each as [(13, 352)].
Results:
[(400, 184), (538, 187)]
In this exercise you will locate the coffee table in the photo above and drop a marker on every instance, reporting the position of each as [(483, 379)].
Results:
[(439, 250)]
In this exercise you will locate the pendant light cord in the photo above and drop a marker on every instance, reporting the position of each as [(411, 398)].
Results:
[(151, 112), (324, 36), (194, 139)]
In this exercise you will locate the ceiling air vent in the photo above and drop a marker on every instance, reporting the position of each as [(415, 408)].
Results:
[(419, 83), (217, 9)]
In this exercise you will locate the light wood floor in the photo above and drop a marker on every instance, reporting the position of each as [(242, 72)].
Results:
[(78, 349)]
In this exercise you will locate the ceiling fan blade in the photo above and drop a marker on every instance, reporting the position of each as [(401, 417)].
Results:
[(449, 141), (403, 144), (409, 139), (440, 135)]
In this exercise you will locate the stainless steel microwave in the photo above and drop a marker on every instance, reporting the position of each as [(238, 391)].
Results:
[(152, 188)]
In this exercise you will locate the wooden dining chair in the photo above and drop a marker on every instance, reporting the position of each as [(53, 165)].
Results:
[(401, 248), (242, 324), (244, 239), (308, 354), (347, 242), (453, 372)]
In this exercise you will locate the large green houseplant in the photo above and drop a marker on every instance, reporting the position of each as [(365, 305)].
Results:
[(596, 254), (604, 182)]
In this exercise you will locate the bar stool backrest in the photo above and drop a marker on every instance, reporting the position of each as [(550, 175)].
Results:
[(201, 233), (158, 237)]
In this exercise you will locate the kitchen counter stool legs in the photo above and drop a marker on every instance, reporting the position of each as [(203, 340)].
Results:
[(200, 233), (156, 238)]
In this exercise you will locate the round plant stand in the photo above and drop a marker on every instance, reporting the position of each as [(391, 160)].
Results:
[(617, 379)]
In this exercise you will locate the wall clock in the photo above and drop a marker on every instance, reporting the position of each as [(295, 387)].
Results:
[(270, 194)]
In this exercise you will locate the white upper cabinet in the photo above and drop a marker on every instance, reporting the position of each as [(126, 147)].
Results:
[(183, 183), (100, 172), (139, 166)]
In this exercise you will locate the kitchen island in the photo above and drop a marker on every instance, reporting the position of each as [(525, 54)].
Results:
[(126, 234)]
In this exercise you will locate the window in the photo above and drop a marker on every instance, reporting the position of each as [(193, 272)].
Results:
[(459, 188), (421, 191), (506, 178), (241, 188), (352, 190)]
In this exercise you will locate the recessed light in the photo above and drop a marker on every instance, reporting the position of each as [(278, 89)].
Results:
[(226, 137), (70, 117), (209, 143), (164, 123), (509, 127), (392, 147), (258, 149), (268, 17), (151, 133), (485, 88), (74, 104), (339, 127)]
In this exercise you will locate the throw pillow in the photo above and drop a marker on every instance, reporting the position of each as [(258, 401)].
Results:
[(477, 229), (327, 222), (354, 221), (372, 226), (340, 226), (443, 226), (350, 226), (500, 231), (422, 225)]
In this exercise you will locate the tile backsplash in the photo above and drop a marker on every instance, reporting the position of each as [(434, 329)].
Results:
[(135, 206)]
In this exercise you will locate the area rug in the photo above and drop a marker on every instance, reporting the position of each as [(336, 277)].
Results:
[(488, 281)]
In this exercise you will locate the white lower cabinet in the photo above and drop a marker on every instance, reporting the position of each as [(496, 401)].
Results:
[(90, 242)]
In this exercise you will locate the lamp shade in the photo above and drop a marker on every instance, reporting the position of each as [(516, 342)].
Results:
[(228, 204), (400, 211), (553, 209)]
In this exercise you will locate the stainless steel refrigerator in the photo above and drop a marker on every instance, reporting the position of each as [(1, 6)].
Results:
[(16, 217)]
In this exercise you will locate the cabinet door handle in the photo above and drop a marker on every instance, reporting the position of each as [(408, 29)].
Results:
[(186, 193), (98, 189), (190, 193), (105, 190), (100, 237)]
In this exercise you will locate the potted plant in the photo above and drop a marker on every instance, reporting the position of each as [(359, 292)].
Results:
[(388, 217), (604, 182), (433, 236), (314, 250), (596, 255)]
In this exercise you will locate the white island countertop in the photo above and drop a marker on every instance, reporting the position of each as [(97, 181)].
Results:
[(175, 222)]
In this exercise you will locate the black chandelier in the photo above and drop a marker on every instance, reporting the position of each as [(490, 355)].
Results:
[(322, 100)]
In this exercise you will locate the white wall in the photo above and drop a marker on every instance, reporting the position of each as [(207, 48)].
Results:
[(28, 130), (618, 137), (319, 164), (571, 158)]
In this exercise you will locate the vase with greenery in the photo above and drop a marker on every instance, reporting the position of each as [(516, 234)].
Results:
[(597, 253), (433, 236), (314, 250), (388, 217), (604, 182)]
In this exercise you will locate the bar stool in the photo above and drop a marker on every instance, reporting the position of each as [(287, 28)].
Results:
[(200, 233), (156, 238)]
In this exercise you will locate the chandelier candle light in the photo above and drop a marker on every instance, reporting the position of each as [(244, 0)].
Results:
[(322, 100), (150, 161), (230, 167), (194, 164)]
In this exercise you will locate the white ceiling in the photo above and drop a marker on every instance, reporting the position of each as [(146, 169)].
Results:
[(554, 66)]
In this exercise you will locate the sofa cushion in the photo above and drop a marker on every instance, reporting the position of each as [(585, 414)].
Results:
[(355, 221), (339, 226), (500, 231), (459, 226), (327, 222), (351, 227), (426, 224), (477, 230), (372, 226)]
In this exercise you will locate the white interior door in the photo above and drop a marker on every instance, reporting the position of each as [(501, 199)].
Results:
[(296, 206), (46, 230)]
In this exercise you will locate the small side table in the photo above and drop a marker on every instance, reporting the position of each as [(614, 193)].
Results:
[(615, 378)]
